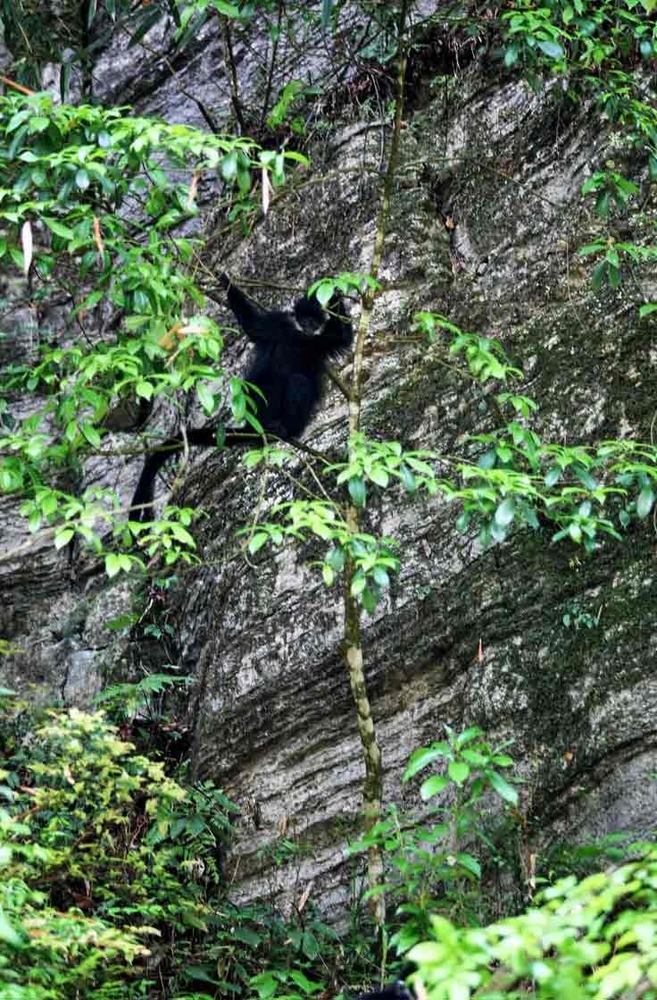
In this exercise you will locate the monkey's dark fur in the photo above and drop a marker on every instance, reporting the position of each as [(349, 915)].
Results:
[(394, 991), (291, 353)]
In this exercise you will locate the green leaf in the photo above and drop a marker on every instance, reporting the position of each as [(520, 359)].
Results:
[(551, 48), (227, 9), (38, 124), (379, 476), (505, 512), (206, 398), (63, 537), (113, 564), (228, 166), (257, 540), (420, 759), (368, 599), (335, 558), (645, 501), (144, 390), (469, 863), (647, 309), (503, 788), (487, 460), (407, 478), (357, 490), (458, 771), (324, 292), (182, 535), (9, 935), (433, 786), (91, 434)]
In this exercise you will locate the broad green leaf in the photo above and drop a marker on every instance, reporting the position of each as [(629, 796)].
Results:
[(335, 558), (645, 501), (469, 863), (379, 476), (503, 788), (458, 771), (433, 786), (227, 9), (206, 398), (91, 434), (357, 490), (144, 390), (63, 537), (505, 512), (257, 541), (9, 935), (113, 564), (368, 599), (324, 292), (551, 48)]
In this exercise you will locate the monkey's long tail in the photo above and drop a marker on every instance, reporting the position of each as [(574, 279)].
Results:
[(141, 505)]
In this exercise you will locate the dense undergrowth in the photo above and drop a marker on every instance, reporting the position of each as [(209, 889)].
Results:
[(113, 885)]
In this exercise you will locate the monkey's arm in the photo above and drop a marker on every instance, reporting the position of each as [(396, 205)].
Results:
[(256, 323)]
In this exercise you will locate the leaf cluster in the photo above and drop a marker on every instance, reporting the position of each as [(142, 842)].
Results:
[(432, 866), (592, 939), (104, 857)]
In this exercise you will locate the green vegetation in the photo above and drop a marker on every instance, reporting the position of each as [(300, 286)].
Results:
[(595, 938), (112, 886), (105, 861), (432, 866)]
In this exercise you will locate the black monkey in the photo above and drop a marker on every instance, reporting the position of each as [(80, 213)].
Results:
[(394, 991), (291, 352)]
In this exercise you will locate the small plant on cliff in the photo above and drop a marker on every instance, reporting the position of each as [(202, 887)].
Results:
[(431, 865), (604, 50)]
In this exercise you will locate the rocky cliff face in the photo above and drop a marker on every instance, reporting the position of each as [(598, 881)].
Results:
[(531, 641)]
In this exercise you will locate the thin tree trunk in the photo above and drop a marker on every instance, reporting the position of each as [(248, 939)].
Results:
[(353, 632)]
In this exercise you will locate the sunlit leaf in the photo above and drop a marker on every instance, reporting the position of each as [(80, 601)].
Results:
[(503, 788), (458, 771)]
